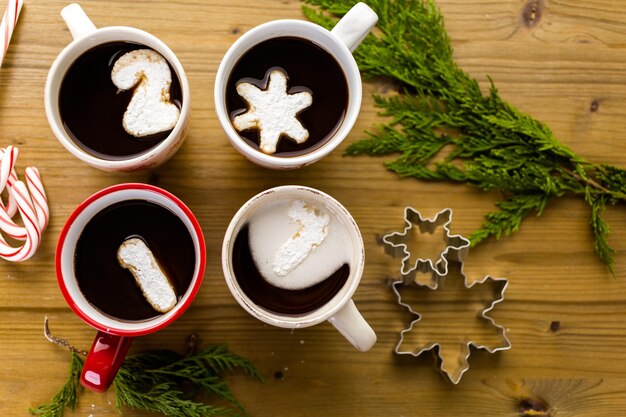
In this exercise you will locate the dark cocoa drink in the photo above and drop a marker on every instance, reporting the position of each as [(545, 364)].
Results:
[(92, 107), (308, 67), (108, 286), (276, 299)]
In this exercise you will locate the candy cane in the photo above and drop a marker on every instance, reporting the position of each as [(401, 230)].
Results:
[(29, 217), (38, 194), (9, 20), (31, 202), (7, 179)]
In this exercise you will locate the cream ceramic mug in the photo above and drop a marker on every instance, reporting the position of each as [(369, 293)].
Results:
[(344, 38), (339, 310), (87, 36)]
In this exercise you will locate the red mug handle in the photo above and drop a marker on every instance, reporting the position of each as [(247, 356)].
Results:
[(104, 360)]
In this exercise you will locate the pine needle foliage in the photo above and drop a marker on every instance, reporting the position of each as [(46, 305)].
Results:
[(444, 128), (165, 382), (68, 396)]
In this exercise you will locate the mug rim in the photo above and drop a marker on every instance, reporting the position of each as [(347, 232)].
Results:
[(149, 327), (348, 66), (91, 40), (315, 316)]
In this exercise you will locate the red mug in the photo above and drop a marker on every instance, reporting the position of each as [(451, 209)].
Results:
[(115, 336)]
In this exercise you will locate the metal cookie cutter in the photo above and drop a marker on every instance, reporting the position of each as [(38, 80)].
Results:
[(396, 245), (453, 349)]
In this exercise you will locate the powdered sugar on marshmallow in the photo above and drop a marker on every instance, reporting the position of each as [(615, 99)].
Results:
[(273, 111), (134, 255), (274, 226), (150, 110), (312, 230)]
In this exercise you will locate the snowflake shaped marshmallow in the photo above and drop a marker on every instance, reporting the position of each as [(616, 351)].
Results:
[(273, 111)]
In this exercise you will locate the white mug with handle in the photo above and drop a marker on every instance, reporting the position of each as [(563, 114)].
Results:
[(339, 310), (344, 38), (86, 37)]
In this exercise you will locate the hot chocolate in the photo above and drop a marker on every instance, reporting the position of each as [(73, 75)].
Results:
[(110, 287), (307, 69), (292, 257), (92, 105)]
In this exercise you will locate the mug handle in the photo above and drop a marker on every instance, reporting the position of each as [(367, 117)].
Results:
[(77, 21), (355, 25), (353, 327), (104, 360)]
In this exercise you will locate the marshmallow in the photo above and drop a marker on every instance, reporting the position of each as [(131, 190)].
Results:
[(134, 255), (273, 111), (271, 226), (150, 110), (312, 230)]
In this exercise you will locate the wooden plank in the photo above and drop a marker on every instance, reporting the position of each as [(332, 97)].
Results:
[(563, 310)]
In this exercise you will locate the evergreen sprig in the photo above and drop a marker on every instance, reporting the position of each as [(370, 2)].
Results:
[(68, 396), (155, 381), (165, 382), (446, 129)]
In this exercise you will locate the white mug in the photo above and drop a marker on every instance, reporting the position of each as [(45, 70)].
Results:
[(340, 310), (87, 36), (339, 43)]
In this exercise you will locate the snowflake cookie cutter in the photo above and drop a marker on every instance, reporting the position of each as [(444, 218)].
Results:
[(448, 264), (454, 366), (396, 245)]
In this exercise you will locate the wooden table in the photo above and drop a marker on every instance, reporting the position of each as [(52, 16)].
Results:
[(563, 63)]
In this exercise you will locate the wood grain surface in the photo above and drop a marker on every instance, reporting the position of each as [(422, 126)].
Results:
[(562, 61)]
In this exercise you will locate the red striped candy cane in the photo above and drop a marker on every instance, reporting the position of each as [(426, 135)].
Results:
[(8, 177), (9, 20), (33, 234), (38, 195), (31, 202)]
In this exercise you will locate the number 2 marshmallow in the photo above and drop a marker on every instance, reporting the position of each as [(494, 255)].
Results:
[(150, 110)]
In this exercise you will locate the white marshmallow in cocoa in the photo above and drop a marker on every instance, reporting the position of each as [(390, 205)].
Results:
[(150, 110), (134, 255), (273, 111)]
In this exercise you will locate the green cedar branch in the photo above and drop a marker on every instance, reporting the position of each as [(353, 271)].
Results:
[(165, 382), (68, 396), (444, 128)]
